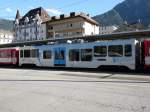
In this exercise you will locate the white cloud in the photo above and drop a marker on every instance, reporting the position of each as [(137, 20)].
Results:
[(54, 11), (8, 9)]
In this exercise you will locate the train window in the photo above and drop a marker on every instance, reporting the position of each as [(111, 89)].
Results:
[(100, 51), (74, 55), (13, 54), (128, 50), (5, 54), (115, 51), (147, 51), (21, 53), (34, 53), (26, 53), (46, 54), (0, 55), (86, 54)]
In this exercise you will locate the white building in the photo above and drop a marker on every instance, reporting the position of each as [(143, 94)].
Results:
[(6, 37), (76, 24), (107, 29), (31, 26)]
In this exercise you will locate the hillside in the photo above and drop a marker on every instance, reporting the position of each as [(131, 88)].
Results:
[(129, 10), (110, 18), (6, 24)]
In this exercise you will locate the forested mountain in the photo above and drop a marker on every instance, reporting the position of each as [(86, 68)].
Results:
[(129, 10)]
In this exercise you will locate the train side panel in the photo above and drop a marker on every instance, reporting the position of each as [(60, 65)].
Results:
[(81, 55), (9, 56), (96, 59), (146, 49), (41, 56)]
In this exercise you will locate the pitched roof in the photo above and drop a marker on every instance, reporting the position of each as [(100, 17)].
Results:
[(18, 15), (82, 15), (32, 14)]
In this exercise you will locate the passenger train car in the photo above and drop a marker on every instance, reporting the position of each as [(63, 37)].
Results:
[(9, 56), (81, 55), (130, 53)]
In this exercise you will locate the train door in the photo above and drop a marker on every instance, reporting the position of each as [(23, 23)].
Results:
[(60, 56), (13, 55)]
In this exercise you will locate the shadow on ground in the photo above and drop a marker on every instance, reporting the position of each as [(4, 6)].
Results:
[(82, 81), (103, 70)]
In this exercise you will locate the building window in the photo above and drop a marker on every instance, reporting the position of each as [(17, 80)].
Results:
[(115, 51), (86, 54), (65, 34), (46, 54), (128, 50), (70, 25), (57, 34), (74, 55), (78, 33), (27, 34), (100, 51), (51, 27)]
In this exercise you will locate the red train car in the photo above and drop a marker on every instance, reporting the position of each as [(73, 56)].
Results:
[(147, 54), (9, 56)]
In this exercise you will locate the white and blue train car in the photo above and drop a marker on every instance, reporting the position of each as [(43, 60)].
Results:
[(82, 55), (36, 55)]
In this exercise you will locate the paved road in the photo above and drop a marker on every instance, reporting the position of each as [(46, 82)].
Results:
[(26, 90)]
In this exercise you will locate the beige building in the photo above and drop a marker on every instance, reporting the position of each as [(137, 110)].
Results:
[(6, 37), (76, 24)]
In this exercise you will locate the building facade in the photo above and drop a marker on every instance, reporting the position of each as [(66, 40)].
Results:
[(38, 25), (76, 24), (6, 37), (31, 26), (107, 29)]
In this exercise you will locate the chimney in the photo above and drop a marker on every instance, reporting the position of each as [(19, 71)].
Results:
[(53, 17), (62, 16), (88, 15), (72, 14)]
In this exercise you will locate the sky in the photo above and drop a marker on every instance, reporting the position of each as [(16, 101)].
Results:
[(8, 8)]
